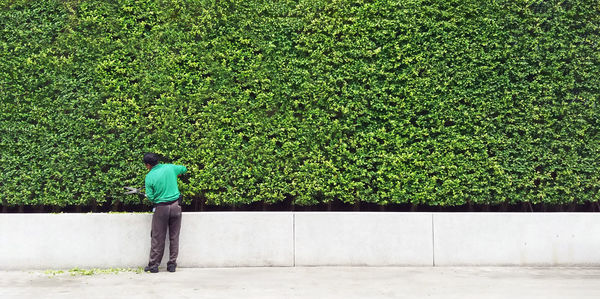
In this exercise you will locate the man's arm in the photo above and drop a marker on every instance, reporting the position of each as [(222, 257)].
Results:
[(149, 191), (180, 169)]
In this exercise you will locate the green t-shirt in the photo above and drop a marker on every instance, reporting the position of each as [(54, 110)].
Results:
[(161, 182)]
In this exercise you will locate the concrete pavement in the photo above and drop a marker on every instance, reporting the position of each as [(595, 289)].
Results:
[(311, 282)]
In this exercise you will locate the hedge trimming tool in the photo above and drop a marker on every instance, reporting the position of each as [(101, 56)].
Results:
[(133, 190)]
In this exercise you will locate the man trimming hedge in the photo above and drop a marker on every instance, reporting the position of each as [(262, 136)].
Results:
[(163, 192)]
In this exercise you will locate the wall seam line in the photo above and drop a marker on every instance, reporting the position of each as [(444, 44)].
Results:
[(433, 238), (294, 235)]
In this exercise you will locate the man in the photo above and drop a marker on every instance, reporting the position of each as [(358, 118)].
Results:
[(163, 192)]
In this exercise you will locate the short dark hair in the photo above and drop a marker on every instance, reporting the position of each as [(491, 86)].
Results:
[(151, 159)]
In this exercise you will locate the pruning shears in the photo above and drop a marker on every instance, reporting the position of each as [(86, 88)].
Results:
[(132, 190)]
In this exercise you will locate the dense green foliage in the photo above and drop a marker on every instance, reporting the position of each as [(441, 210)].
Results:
[(434, 102)]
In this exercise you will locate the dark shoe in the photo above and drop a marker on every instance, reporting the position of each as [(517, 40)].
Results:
[(151, 269), (171, 267)]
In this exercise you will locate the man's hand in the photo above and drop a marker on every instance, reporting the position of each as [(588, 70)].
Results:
[(185, 177)]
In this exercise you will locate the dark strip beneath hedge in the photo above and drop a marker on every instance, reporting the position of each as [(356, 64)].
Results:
[(333, 207)]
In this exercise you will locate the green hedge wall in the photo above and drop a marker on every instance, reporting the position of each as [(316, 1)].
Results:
[(429, 102)]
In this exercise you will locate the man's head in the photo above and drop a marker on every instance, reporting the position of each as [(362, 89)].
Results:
[(150, 159)]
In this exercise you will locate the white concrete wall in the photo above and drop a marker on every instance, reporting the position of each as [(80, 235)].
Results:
[(364, 239), (56, 241), (64, 241), (237, 239), (231, 239), (517, 239)]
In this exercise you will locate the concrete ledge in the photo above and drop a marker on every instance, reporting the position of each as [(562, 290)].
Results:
[(517, 239), (63, 241), (240, 239), (51, 241), (234, 239), (364, 239)]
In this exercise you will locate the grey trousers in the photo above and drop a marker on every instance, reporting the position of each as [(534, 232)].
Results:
[(165, 217)]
